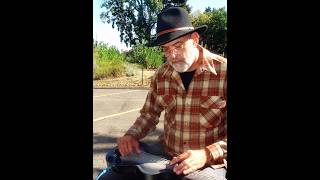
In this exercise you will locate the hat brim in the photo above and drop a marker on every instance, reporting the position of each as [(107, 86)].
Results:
[(163, 39)]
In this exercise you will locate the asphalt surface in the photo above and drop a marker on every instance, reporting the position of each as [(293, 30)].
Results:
[(114, 111)]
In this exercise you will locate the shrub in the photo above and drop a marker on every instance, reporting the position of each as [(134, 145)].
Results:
[(109, 69), (106, 53), (107, 62), (132, 69), (148, 57)]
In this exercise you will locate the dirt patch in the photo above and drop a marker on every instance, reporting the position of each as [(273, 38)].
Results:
[(132, 81)]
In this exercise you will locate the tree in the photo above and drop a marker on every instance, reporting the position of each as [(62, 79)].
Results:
[(215, 38), (181, 3), (135, 19), (208, 9)]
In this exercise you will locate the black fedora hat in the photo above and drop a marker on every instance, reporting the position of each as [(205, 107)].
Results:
[(173, 23)]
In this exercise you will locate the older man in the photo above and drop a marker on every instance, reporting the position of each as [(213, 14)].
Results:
[(191, 88)]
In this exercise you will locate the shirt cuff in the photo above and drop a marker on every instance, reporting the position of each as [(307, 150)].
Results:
[(133, 132), (215, 151)]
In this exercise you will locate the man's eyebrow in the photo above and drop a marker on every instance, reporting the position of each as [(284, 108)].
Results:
[(172, 44), (176, 43)]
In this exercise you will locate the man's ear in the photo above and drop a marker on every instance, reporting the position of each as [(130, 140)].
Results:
[(195, 36)]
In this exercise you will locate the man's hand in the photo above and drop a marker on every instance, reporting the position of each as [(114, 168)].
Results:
[(189, 161), (127, 145)]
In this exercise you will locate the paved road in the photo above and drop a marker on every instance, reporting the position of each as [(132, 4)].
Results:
[(114, 111)]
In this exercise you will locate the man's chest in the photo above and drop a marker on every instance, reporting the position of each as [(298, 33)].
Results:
[(203, 103)]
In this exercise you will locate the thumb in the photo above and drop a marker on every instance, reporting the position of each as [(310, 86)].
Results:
[(179, 158)]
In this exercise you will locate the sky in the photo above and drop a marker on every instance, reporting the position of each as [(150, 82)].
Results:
[(103, 32)]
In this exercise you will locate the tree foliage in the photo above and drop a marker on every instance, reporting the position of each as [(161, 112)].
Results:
[(148, 57), (215, 38), (135, 19)]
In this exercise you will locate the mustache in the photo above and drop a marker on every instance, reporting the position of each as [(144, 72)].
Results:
[(176, 60), (179, 62)]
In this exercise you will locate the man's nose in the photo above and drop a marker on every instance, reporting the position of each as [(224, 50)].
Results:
[(171, 57)]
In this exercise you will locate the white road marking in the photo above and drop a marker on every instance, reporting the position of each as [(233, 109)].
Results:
[(117, 114), (116, 93)]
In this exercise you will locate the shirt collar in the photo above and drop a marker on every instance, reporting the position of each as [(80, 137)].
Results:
[(206, 60)]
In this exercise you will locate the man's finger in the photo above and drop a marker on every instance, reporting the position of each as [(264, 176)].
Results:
[(181, 167), (179, 158), (129, 145), (187, 171), (126, 147), (120, 147), (173, 160)]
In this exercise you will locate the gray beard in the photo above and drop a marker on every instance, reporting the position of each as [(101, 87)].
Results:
[(180, 68)]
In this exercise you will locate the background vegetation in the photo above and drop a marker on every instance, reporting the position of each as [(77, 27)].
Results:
[(136, 21)]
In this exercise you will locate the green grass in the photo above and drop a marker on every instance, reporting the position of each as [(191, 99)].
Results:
[(110, 62)]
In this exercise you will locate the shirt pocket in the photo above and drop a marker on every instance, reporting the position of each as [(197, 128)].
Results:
[(212, 110)]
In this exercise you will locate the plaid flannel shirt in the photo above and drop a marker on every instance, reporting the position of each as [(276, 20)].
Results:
[(196, 119)]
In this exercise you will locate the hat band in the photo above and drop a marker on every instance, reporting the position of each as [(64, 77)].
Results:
[(173, 30)]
